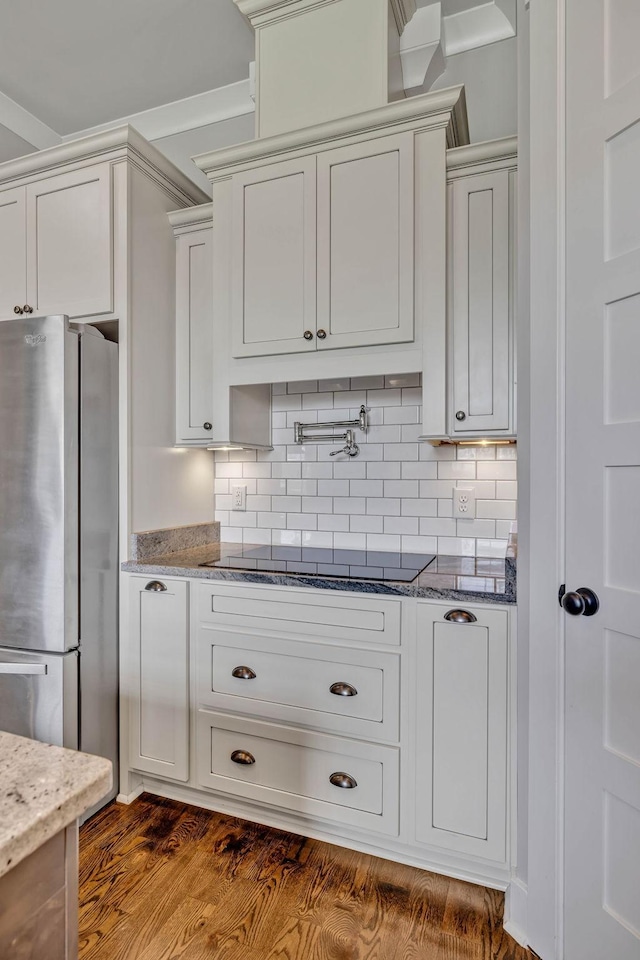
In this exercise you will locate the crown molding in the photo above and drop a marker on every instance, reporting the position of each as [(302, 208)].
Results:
[(202, 215), (462, 161), (403, 11), (421, 49), (25, 125), (479, 26), (169, 119), (120, 142), (442, 108), (265, 10)]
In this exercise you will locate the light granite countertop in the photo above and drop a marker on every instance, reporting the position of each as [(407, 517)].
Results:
[(447, 578), (42, 790)]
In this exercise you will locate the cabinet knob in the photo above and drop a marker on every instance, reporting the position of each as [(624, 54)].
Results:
[(27, 308), (582, 602), (308, 335), (243, 673), (343, 690), (343, 780), (460, 616), (17, 309), (461, 415), (243, 757), (321, 334), (207, 426), (154, 586)]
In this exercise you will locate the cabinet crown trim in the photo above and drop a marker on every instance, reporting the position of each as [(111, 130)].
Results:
[(192, 216), (442, 108), (476, 153), (109, 144), (403, 10)]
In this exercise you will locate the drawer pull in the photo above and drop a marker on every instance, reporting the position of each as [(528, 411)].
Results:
[(343, 780), (243, 757), (155, 586), (343, 690), (460, 616), (243, 673)]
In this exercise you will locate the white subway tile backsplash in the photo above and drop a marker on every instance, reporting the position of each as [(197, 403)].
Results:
[(369, 524), (381, 470), (383, 506), (402, 525), (498, 470), (366, 488), (396, 494)]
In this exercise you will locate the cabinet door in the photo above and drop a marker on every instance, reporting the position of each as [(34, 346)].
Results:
[(274, 259), (13, 253), (461, 759), (194, 336), (159, 733), (365, 243), (481, 305), (69, 245)]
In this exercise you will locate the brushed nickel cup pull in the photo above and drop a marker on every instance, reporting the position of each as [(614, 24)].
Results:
[(154, 586), (343, 780), (27, 308), (243, 673), (308, 335), (243, 757), (343, 690), (460, 616), (321, 334)]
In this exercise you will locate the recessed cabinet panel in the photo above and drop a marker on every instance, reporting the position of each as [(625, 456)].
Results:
[(461, 760), (69, 254), (194, 336), (481, 305), (13, 256), (365, 243), (160, 703), (274, 259)]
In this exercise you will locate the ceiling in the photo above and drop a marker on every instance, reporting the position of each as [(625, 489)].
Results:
[(74, 64)]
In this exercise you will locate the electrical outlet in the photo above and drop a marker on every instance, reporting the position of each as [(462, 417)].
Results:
[(239, 496), (464, 503)]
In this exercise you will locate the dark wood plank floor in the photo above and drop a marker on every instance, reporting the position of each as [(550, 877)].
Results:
[(161, 880)]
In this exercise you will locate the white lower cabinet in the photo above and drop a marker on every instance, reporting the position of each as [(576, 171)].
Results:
[(333, 778), (159, 663), (461, 724), (376, 721)]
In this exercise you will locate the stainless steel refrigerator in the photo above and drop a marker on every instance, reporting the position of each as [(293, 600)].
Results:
[(59, 534)]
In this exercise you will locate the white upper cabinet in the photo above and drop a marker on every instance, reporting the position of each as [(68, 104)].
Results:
[(274, 259), (365, 243), (56, 248), (69, 244), (481, 301), (13, 262), (194, 336)]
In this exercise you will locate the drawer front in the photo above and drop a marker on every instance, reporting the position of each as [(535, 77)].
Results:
[(301, 682), (294, 769), (316, 613)]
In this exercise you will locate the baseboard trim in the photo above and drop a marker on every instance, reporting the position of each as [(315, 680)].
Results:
[(515, 912), (127, 798)]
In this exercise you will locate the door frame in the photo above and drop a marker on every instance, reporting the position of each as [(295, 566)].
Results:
[(542, 447)]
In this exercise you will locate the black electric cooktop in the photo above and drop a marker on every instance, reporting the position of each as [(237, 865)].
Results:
[(321, 561)]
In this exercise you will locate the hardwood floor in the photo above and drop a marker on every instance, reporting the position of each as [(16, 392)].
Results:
[(161, 880)]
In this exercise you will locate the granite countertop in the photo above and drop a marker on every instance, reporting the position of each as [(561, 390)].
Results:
[(447, 578), (42, 790)]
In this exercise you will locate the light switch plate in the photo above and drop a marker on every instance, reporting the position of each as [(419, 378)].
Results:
[(464, 503), (239, 496)]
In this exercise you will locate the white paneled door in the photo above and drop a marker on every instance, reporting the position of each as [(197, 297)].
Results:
[(602, 785)]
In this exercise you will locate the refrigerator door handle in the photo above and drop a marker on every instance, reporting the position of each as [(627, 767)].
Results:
[(26, 669)]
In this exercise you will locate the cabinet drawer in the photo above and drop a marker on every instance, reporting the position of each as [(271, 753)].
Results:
[(292, 681), (315, 613), (293, 769)]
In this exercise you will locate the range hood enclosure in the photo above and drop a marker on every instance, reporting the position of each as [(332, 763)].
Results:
[(318, 60)]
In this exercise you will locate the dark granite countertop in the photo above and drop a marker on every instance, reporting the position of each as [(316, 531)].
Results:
[(447, 578)]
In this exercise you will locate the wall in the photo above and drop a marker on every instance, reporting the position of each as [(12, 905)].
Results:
[(397, 494), (491, 83)]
